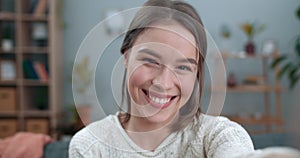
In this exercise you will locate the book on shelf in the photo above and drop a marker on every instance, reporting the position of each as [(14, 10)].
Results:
[(38, 7), (33, 4), (35, 70), (41, 70), (29, 72)]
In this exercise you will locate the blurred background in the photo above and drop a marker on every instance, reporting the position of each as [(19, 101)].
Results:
[(250, 36)]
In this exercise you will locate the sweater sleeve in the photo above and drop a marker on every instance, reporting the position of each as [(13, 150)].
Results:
[(227, 139)]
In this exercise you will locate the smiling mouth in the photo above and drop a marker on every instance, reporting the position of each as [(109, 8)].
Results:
[(162, 101)]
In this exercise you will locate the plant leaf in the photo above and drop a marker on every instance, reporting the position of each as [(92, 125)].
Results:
[(298, 13), (293, 71), (284, 69), (294, 81), (278, 60), (297, 46)]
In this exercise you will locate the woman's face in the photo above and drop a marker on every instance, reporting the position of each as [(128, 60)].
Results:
[(161, 68)]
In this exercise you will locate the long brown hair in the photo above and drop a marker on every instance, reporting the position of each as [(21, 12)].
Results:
[(183, 13)]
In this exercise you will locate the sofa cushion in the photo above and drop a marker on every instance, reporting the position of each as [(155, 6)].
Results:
[(271, 139), (56, 149)]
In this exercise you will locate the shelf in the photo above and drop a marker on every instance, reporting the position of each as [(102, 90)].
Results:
[(7, 52), (35, 50), (32, 18), (7, 16), (29, 82), (254, 88), (244, 56), (27, 50), (264, 120), (251, 88), (262, 82), (37, 113), (9, 114), (8, 83)]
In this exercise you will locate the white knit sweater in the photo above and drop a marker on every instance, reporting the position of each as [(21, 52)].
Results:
[(215, 137)]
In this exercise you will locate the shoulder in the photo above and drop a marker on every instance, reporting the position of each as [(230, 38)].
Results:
[(93, 134), (223, 136), (218, 124)]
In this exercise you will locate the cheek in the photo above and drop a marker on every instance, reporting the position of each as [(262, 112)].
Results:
[(187, 85), (137, 78)]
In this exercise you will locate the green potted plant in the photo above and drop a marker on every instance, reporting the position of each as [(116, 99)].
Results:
[(289, 64)]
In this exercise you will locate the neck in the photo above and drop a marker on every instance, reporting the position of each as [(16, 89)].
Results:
[(147, 135), (142, 124)]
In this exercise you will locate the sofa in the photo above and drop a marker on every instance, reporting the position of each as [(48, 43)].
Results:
[(271, 139), (58, 149)]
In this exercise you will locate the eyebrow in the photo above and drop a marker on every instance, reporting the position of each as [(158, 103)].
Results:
[(150, 52), (188, 60), (153, 53)]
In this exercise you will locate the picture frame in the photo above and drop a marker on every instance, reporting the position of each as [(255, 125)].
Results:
[(7, 70)]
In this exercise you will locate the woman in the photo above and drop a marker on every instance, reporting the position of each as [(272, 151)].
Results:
[(164, 51)]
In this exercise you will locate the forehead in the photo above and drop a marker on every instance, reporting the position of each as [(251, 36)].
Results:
[(172, 35)]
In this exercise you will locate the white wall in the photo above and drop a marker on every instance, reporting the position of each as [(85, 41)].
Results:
[(278, 16)]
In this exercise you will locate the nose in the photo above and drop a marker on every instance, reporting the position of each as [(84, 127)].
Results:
[(165, 78)]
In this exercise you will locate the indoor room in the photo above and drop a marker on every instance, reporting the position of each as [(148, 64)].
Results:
[(65, 64)]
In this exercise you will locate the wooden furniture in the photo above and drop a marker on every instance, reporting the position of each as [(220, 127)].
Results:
[(269, 119), (34, 28)]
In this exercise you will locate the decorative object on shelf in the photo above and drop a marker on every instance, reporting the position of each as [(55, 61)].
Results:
[(269, 47), (250, 30), (289, 66), (7, 70), (254, 80), (7, 41), (39, 34), (225, 33), (231, 81), (114, 25)]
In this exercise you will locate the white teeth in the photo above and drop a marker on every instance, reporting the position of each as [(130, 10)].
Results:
[(159, 100)]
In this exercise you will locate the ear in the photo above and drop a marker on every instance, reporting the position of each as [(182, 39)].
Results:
[(126, 55)]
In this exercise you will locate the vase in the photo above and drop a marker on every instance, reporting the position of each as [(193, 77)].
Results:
[(7, 45), (231, 81), (250, 48)]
